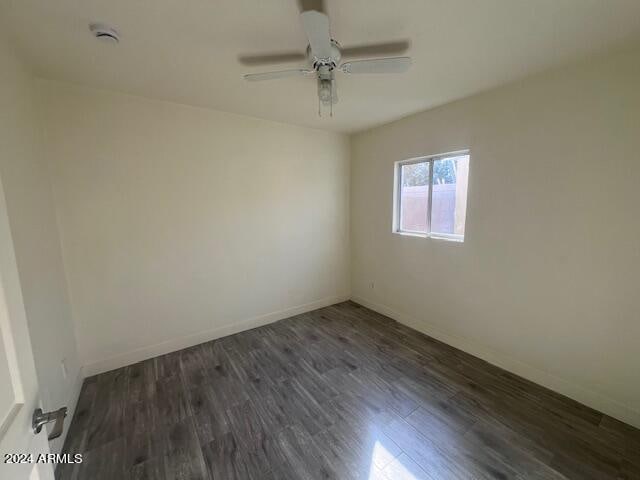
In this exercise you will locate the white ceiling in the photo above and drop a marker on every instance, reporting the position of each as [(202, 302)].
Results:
[(186, 51)]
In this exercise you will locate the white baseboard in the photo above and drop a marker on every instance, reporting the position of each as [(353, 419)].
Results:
[(72, 402), (583, 395), (173, 345)]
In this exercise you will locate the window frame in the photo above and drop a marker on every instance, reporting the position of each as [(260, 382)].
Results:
[(397, 196)]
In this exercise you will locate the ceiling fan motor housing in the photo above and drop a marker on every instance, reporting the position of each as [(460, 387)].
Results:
[(332, 61)]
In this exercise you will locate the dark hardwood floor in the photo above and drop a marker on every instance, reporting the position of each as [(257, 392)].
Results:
[(338, 393)]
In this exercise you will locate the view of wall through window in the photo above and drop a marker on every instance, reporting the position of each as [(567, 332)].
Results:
[(431, 196)]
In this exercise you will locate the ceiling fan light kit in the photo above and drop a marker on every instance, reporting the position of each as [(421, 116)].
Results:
[(324, 55)]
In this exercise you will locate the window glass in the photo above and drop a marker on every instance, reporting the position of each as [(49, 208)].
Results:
[(414, 197), (449, 201)]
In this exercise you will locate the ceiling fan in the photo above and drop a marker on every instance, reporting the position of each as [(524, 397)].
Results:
[(324, 54)]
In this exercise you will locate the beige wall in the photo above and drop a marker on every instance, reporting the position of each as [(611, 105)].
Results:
[(546, 283), (27, 188), (181, 224)]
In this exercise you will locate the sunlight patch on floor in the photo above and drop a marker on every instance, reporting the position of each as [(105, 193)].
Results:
[(386, 466)]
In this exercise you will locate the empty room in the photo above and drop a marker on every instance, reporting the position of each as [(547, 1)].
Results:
[(319, 239)]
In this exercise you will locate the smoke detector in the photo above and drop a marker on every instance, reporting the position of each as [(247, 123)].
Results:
[(104, 33)]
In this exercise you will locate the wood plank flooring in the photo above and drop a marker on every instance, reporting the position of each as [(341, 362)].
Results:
[(337, 393)]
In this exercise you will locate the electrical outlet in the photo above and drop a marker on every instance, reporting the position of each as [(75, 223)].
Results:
[(372, 285), (63, 367)]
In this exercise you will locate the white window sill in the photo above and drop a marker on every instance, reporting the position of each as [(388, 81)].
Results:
[(434, 236)]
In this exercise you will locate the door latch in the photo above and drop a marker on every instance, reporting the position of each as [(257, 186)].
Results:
[(40, 418)]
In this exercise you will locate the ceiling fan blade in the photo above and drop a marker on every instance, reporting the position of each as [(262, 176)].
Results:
[(284, 57), (316, 26), (257, 77), (389, 48), (378, 65)]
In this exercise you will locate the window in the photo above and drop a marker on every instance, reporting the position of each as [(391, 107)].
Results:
[(431, 196)]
